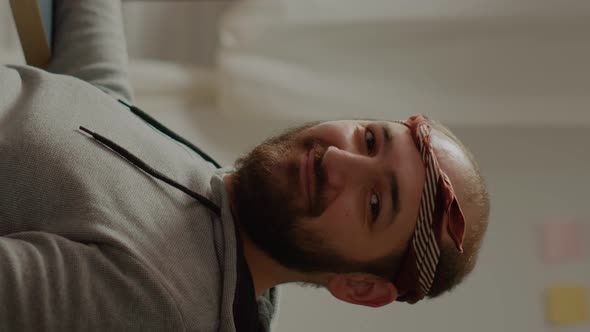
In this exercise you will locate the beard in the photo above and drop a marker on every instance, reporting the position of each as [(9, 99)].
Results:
[(271, 211)]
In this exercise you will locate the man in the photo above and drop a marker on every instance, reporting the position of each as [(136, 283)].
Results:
[(91, 239)]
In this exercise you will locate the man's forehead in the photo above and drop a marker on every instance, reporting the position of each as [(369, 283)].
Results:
[(451, 156)]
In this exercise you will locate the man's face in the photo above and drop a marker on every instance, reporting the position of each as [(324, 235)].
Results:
[(331, 197)]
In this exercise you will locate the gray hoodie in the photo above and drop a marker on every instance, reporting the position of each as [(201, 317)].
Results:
[(88, 242)]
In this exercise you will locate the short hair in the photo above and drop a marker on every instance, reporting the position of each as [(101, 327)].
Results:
[(453, 266)]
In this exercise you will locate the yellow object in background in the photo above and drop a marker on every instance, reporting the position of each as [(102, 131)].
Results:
[(34, 23), (567, 304)]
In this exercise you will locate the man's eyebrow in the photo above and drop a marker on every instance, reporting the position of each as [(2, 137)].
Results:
[(387, 134), (393, 184)]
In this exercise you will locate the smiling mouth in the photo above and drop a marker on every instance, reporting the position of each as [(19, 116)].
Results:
[(307, 177)]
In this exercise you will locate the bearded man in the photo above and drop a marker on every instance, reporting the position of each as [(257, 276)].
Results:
[(110, 223)]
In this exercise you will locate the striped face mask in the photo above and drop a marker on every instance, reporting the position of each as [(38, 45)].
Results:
[(438, 203)]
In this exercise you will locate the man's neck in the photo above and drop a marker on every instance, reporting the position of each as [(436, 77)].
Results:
[(266, 272)]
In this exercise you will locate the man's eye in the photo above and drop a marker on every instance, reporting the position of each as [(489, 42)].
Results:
[(370, 139), (375, 207)]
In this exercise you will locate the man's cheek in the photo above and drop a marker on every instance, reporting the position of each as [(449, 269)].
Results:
[(338, 217)]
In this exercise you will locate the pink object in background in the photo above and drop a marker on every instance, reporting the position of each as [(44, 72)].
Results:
[(562, 241)]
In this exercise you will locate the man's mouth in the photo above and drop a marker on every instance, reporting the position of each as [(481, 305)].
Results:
[(307, 177)]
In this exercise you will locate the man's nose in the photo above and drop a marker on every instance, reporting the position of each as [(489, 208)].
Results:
[(343, 168)]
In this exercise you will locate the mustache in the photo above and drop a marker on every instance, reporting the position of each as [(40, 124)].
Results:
[(318, 149)]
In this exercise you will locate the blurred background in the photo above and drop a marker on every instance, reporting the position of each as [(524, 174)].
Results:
[(511, 78)]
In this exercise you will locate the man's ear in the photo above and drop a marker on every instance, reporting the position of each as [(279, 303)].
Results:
[(362, 289)]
